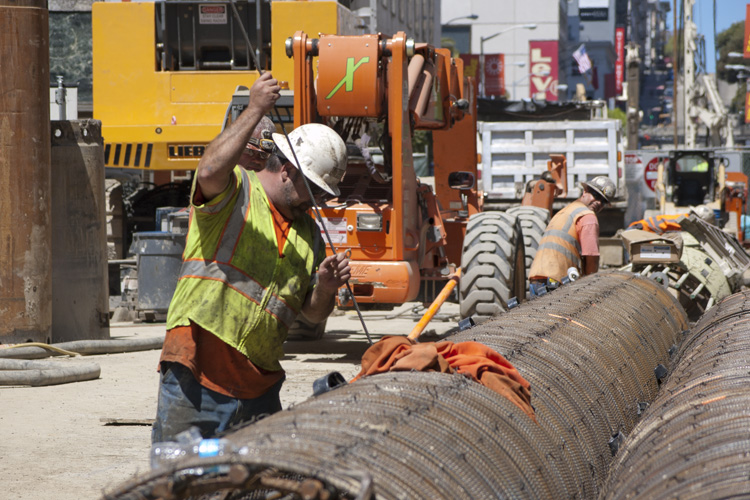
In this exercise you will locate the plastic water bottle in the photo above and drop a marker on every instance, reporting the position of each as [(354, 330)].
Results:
[(573, 274), (189, 444)]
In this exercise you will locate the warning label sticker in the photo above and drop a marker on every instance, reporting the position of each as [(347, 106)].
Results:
[(212, 14), (654, 251), (336, 227)]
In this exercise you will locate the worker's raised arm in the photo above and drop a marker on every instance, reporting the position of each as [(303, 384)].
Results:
[(223, 153)]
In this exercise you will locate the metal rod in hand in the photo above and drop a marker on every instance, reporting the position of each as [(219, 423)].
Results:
[(297, 165)]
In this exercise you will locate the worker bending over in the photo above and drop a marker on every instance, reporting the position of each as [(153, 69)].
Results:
[(571, 238), (254, 260)]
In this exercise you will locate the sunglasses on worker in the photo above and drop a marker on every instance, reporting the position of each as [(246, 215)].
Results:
[(263, 148), (318, 193)]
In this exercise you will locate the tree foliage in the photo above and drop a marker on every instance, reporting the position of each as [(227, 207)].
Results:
[(618, 114), (729, 40)]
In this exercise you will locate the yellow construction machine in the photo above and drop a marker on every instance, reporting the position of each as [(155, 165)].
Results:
[(164, 71)]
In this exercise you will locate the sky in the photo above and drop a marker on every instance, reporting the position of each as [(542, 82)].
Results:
[(728, 12)]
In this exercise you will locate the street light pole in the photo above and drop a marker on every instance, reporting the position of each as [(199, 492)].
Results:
[(543, 74), (743, 74), (470, 16), (483, 39)]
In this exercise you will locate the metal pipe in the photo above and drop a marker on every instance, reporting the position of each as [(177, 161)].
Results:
[(692, 441), (25, 274), (589, 350), (681, 281), (697, 291)]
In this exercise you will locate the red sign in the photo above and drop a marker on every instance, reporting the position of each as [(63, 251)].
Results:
[(620, 63), (650, 173), (471, 65), (494, 75), (747, 107), (747, 31), (543, 60)]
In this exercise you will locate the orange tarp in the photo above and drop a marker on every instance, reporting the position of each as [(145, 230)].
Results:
[(473, 359)]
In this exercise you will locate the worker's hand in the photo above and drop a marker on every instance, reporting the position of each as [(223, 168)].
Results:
[(264, 93), (333, 273)]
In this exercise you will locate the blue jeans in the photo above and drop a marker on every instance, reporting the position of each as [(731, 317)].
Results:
[(183, 403)]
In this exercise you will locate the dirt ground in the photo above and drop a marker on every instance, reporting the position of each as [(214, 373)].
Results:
[(58, 442)]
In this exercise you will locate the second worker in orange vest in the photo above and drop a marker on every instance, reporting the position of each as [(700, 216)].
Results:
[(572, 236)]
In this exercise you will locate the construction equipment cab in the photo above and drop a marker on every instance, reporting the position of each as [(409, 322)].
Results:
[(699, 177)]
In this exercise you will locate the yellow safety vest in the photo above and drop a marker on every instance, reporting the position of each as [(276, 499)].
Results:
[(559, 248), (233, 282)]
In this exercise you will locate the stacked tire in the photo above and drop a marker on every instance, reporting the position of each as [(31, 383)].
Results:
[(533, 222), (492, 264)]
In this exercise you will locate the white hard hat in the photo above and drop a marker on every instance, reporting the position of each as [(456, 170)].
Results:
[(602, 185), (320, 151)]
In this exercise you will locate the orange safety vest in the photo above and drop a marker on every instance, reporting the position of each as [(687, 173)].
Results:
[(559, 248), (659, 224)]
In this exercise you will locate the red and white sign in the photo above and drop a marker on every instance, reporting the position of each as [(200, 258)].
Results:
[(633, 164), (543, 63), (494, 75), (620, 63), (337, 229), (650, 173), (212, 14)]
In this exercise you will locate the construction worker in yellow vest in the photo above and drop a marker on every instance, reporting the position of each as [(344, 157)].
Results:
[(254, 259), (571, 239)]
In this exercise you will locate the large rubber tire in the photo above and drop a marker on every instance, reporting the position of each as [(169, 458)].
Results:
[(533, 221), (492, 264), (302, 329)]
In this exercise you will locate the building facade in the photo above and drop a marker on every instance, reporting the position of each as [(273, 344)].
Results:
[(530, 34)]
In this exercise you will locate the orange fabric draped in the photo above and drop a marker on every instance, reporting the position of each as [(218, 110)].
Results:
[(482, 364)]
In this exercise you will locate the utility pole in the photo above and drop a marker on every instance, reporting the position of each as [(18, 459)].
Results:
[(675, 39), (633, 67), (689, 87)]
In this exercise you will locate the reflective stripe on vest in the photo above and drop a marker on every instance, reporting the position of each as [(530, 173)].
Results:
[(242, 283), (233, 281), (659, 224), (559, 247), (222, 271), (234, 225)]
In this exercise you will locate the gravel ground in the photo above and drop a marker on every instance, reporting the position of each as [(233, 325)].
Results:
[(60, 442)]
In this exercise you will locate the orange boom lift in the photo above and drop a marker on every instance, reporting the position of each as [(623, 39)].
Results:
[(405, 234)]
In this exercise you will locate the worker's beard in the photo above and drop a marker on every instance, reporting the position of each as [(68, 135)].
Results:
[(297, 207)]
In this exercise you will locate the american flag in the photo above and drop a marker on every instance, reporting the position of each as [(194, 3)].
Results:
[(582, 58)]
